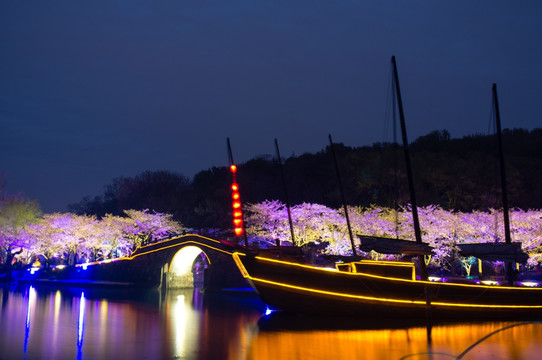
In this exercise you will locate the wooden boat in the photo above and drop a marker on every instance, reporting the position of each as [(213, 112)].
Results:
[(376, 288), (382, 289)]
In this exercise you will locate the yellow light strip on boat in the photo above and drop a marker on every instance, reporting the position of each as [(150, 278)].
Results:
[(401, 301), (245, 274), (385, 263), (397, 279), (239, 264), (292, 263)]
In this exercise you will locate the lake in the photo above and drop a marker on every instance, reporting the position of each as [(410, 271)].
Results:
[(39, 322)]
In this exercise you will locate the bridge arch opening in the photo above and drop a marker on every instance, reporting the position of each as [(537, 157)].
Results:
[(187, 269)]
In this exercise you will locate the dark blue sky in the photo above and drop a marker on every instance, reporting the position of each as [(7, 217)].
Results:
[(94, 90)]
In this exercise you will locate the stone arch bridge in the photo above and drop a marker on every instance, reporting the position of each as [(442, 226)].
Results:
[(180, 262)]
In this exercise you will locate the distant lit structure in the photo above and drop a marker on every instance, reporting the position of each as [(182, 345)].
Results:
[(238, 226)]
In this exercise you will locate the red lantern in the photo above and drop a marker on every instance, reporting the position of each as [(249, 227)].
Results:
[(236, 204)]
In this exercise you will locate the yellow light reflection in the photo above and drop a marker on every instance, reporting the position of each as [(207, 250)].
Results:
[(56, 315), (185, 323), (104, 316), (468, 341), (180, 323)]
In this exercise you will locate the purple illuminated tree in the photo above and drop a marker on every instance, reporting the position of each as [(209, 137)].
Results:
[(442, 229), (65, 237), (15, 213), (268, 219), (142, 227), (68, 238), (312, 222), (526, 227), (115, 243)]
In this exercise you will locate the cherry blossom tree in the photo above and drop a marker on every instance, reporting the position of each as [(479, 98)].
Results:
[(311, 222), (115, 243), (316, 223), (526, 227), (15, 212), (143, 227), (268, 219), (70, 238), (66, 237)]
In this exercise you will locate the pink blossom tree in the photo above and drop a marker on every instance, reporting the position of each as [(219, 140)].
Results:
[(115, 242), (143, 227), (71, 238), (15, 213), (267, 220)]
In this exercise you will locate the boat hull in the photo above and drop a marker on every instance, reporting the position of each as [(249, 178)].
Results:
[(300, 288)]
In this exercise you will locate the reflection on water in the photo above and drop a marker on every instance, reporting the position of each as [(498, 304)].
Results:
[(494, 340), (44, 323)]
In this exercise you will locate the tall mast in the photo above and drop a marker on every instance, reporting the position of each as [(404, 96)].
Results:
[(507, 237), (415, 219), (342, 197), (285, 193)]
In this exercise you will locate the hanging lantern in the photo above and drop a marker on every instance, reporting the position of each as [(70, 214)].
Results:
[(236, 204)]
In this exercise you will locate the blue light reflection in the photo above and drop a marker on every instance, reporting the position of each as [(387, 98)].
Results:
[(81, 326)]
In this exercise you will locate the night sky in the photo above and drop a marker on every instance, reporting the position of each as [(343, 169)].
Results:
[(94, 90)]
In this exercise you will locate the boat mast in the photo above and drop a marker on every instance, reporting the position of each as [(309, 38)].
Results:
[(342, 196), (507, 237), (413, 204), (506, 216), (285, 193)]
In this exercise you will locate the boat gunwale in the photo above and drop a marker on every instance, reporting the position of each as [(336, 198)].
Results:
[(362, 274), (268, 285)]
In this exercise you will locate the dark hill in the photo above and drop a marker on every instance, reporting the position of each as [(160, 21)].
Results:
[(460, 174)]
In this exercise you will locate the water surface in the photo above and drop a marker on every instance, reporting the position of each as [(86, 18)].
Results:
[(74, 323)]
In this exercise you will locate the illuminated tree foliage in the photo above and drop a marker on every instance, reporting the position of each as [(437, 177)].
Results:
[(15, 212), (69, 239), (441, 229), (311, 222), (142, 227)]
